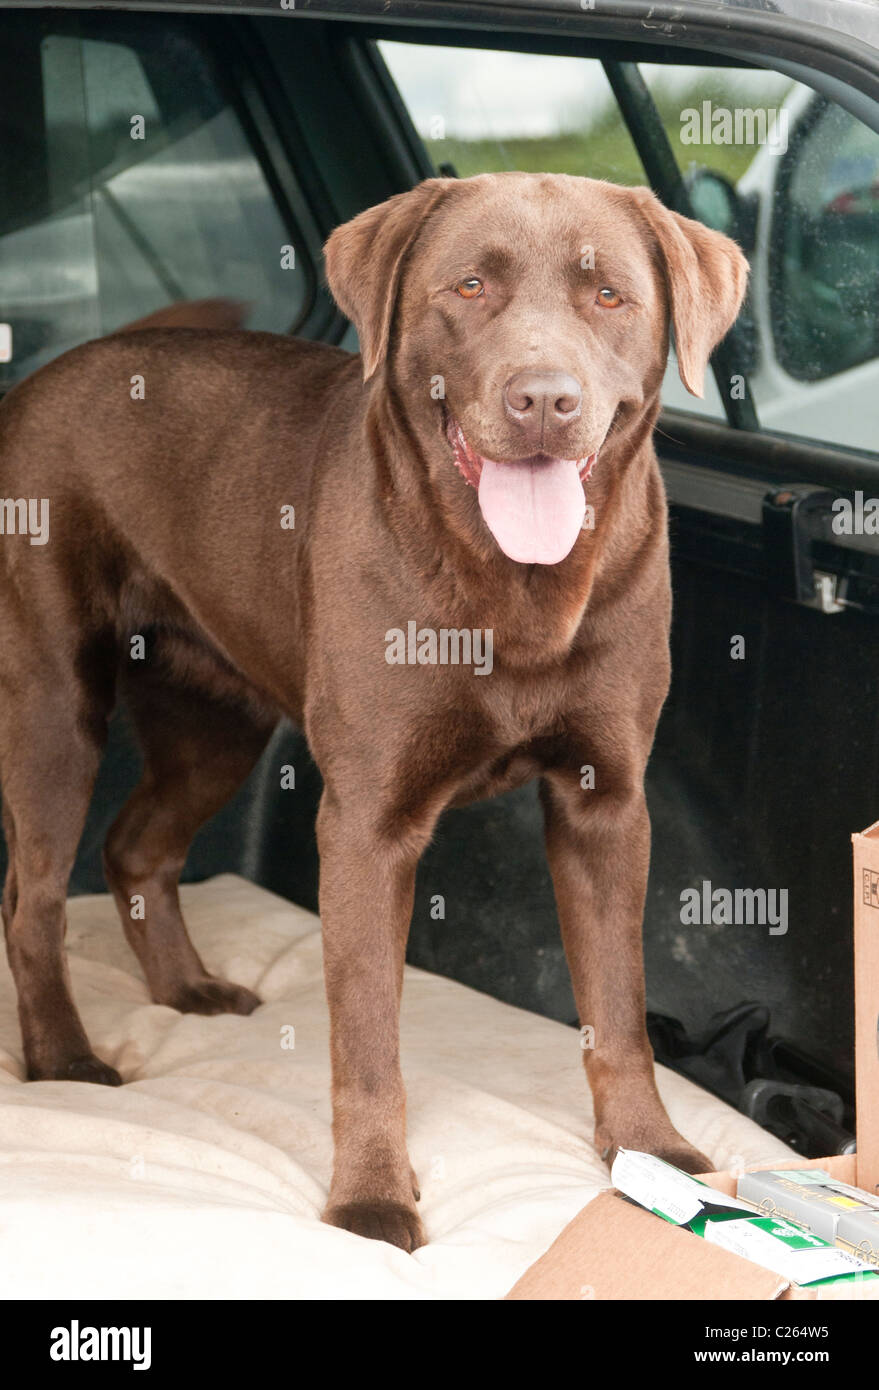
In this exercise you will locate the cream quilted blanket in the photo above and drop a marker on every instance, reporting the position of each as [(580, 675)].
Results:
[(204, 1176)]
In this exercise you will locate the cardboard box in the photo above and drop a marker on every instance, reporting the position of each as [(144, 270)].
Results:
[(614, 1250), (866, 847)]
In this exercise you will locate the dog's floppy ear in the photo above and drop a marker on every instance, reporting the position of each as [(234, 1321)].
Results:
[(364, 259), (707, 276)]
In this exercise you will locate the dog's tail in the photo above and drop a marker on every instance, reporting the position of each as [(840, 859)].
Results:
[(194, 313)]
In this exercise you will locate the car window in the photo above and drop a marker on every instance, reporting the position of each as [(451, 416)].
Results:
[(484, 110), (825, 290), (797, 186), (791, 177), (144, 190)]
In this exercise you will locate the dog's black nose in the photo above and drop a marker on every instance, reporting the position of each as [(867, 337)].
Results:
[(540, 400)]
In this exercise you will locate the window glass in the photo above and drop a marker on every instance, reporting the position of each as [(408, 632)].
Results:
[(484, 111), (825, 291), (150, 192)]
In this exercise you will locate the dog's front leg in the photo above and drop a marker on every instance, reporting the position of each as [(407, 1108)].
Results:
[(367, 882), (598, 846)]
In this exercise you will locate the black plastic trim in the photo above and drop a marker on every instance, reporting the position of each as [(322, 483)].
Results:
[(775, 457), (765, 34)]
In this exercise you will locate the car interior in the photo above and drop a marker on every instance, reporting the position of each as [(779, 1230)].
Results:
[(265, 134)]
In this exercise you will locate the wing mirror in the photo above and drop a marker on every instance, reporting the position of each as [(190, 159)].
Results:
[(717, 202)]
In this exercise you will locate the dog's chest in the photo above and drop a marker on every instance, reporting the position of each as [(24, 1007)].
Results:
[(498, 775), (524, 727)]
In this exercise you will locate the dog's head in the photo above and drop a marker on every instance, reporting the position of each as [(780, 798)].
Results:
[(520, 316)]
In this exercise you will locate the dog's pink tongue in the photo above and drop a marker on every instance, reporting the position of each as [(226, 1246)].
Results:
[(533, 510)]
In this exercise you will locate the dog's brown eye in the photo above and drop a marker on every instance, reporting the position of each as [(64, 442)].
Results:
[(608, 299), (471, 288)]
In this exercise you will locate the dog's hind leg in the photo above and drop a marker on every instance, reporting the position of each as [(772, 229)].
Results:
[(53, 716), (197, 750)]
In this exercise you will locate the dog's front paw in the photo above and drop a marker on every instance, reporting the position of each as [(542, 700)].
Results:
[(210, 996), (380, 1219), (663, 1142), (88, 1068), (682, 1155)]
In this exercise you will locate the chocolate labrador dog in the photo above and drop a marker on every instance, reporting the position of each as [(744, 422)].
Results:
[(239, 526)]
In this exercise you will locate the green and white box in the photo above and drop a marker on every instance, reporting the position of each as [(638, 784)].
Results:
[(769, 1240)]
